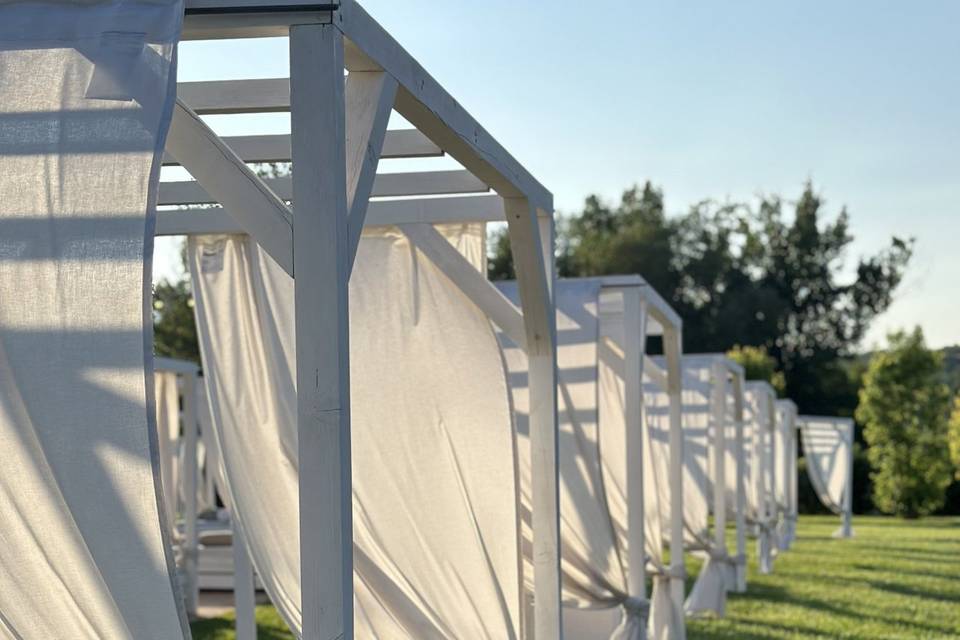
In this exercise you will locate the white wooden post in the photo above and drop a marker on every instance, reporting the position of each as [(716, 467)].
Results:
[(534, 282), (673, 350), (244, 598), (189, 469), (718, 400), (322, 260), (634, 347), (738, 411)]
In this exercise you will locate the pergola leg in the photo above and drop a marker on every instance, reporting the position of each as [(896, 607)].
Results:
[(190, 493), (635, 338), (244, 598), (322, 259), (534, 278), (673, 350), (718, 398)]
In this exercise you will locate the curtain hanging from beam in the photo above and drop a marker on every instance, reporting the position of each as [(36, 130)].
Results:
[(436, 549), (86, 90)]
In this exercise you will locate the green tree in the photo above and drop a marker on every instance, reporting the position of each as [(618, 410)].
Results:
[(758, 365), (954, 437), (174, 326), (744, 275), (904, 409)]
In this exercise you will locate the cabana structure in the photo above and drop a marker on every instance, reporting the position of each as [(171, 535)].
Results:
[(716, 457), (613, 532), (111, 103), (828, 449), (785, 467), (338, 135), (177, 431), (760, 424)]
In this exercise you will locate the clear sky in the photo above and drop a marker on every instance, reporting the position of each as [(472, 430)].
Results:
[(708, 99)]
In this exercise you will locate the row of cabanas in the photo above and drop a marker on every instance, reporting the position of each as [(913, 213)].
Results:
[(403, 448), (738, 463)]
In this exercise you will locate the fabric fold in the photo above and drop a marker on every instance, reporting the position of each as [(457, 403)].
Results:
[(86, 539), (436, 546)]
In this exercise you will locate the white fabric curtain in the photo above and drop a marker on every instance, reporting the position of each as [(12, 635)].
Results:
[(828, 450), (593, 560), (785, 469), (168, 437), (666, 618), (759, 425), (436, 549), (85, 550), (703, 412)]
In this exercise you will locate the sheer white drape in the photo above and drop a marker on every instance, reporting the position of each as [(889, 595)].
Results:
[(84, 551), (759, 425), (594, 573), (705, 411), (436, 551), (785, 455), (168, 436), (666, 617), (828, 450)]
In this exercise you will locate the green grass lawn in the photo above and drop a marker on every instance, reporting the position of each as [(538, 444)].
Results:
[(895, 579)]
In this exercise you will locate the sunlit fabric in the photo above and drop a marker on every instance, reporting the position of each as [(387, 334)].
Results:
[(759, 425), (828, 450), (436, 548), (785, 472), (86, 90), (593, 556), (704, 412)]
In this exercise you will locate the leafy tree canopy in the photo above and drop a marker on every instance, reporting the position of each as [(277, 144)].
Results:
[(742, 274), (904, 409)]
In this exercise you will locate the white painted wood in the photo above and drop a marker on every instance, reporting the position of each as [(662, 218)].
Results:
[(244, 596), (426, 105), (485, 208), (399, 143), (225, 177), (535, 286), (634, 347), (218, 19), (718, 405), (741, 520), (322, 267), (385, 185), (471, 282), (263, 95), (369, 97), (189, 469), (673, 351)]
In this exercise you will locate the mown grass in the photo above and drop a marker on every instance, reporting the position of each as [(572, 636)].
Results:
[(895, 580)]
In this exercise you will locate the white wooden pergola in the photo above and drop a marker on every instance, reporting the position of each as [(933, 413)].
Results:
[(725, 373), (187, 374), (645, 313), (338, 135)]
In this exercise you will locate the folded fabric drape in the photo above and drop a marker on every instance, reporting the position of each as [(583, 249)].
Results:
[(786, 471), (593, 560), (758, 431), (86, 91), (667, 617), (828, 450), (436, 548)]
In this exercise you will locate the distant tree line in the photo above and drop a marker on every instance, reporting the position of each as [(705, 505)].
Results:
[(779, 292)]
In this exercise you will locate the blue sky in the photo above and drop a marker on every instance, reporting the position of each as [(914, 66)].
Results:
[(708, 99)]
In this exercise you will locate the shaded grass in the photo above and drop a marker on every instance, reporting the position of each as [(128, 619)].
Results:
[(896, 579)]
